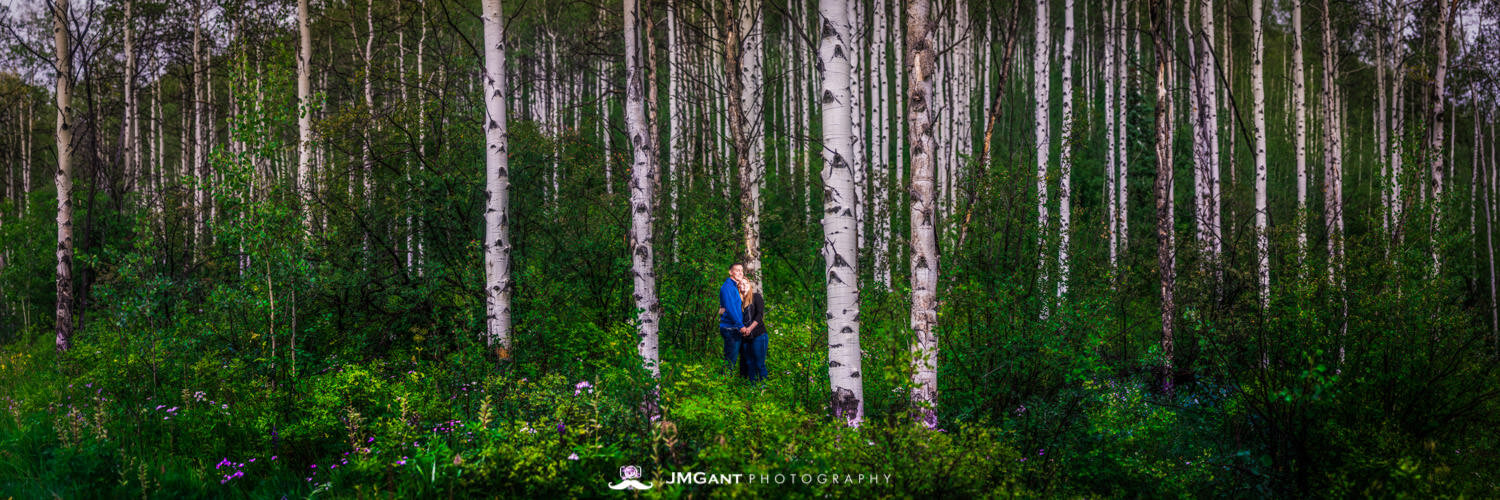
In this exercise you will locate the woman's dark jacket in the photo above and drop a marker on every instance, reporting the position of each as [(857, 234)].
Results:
[(755, 312)]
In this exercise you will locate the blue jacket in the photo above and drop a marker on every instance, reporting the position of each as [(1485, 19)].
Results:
[(729, 299)]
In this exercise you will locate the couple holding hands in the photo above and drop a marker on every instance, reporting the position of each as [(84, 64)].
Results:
[(742, 324)]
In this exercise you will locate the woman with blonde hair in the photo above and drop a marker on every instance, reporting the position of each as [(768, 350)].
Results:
[(753, 344)]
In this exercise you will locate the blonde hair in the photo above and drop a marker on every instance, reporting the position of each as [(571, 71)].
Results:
[(747, 292)]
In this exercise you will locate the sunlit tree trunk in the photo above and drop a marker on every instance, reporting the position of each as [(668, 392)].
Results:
[(840, 251), (60, 36), (304, 113), (642, 189), (497, 282), (924, 255), (1258, 124)]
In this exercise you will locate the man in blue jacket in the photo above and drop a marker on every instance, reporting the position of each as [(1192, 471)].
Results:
[(731, 316)]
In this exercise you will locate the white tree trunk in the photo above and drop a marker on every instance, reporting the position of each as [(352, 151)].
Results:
[(304, 114), (642, 189), (924, 254), (1041, 79), (200, 132), (879, 166), (748, 122), (1258, 124), (1165, 224), (1205, 143), (1435, 148), (497, 284), (1299, 137), (1122, 171), (60, 35), (1111, 160), (422, 132), (676, 152), (367, 173), (840, 251), (1065, 157), (131, 142)]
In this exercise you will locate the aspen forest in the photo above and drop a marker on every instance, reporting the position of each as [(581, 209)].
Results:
[(1007, 248)]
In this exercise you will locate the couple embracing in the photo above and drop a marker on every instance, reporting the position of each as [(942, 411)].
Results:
[(742, 324)]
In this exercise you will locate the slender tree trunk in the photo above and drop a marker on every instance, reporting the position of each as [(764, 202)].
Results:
[(200, 133), (367, 172), (497, 184), (642, 190), (1333, 172), (879, 148), (676, 152), (1122, 181), (744, 53), (924, 253), (1111, 160), (1041, 79), (1065, 157), (1165, 229), (60, 35), (840, 250), (304, 114), (1436, 147), (1299, 138), (1258, 100), (1206, 143), (131, 142)]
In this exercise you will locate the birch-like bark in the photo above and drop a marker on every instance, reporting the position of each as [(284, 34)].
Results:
[(840, 250), (1122, 171), (1436, 146), (642, 190), (131, 142), (1206, 143), (1299, 137), (367, 171), (1398, 120), (1111, 160), (422, 133), (60, 36), (879, 148), (677, 150), (1165, 229), (1258, 124), (1065, 157), (497, 283), (304, 114), (924, 254), (1041, 78), (744, 52), (200, 132)]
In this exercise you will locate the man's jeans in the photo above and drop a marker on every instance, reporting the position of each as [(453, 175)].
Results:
[(733, 343)]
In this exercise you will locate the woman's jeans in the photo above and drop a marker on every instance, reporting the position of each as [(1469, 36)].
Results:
[(754, 353)]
